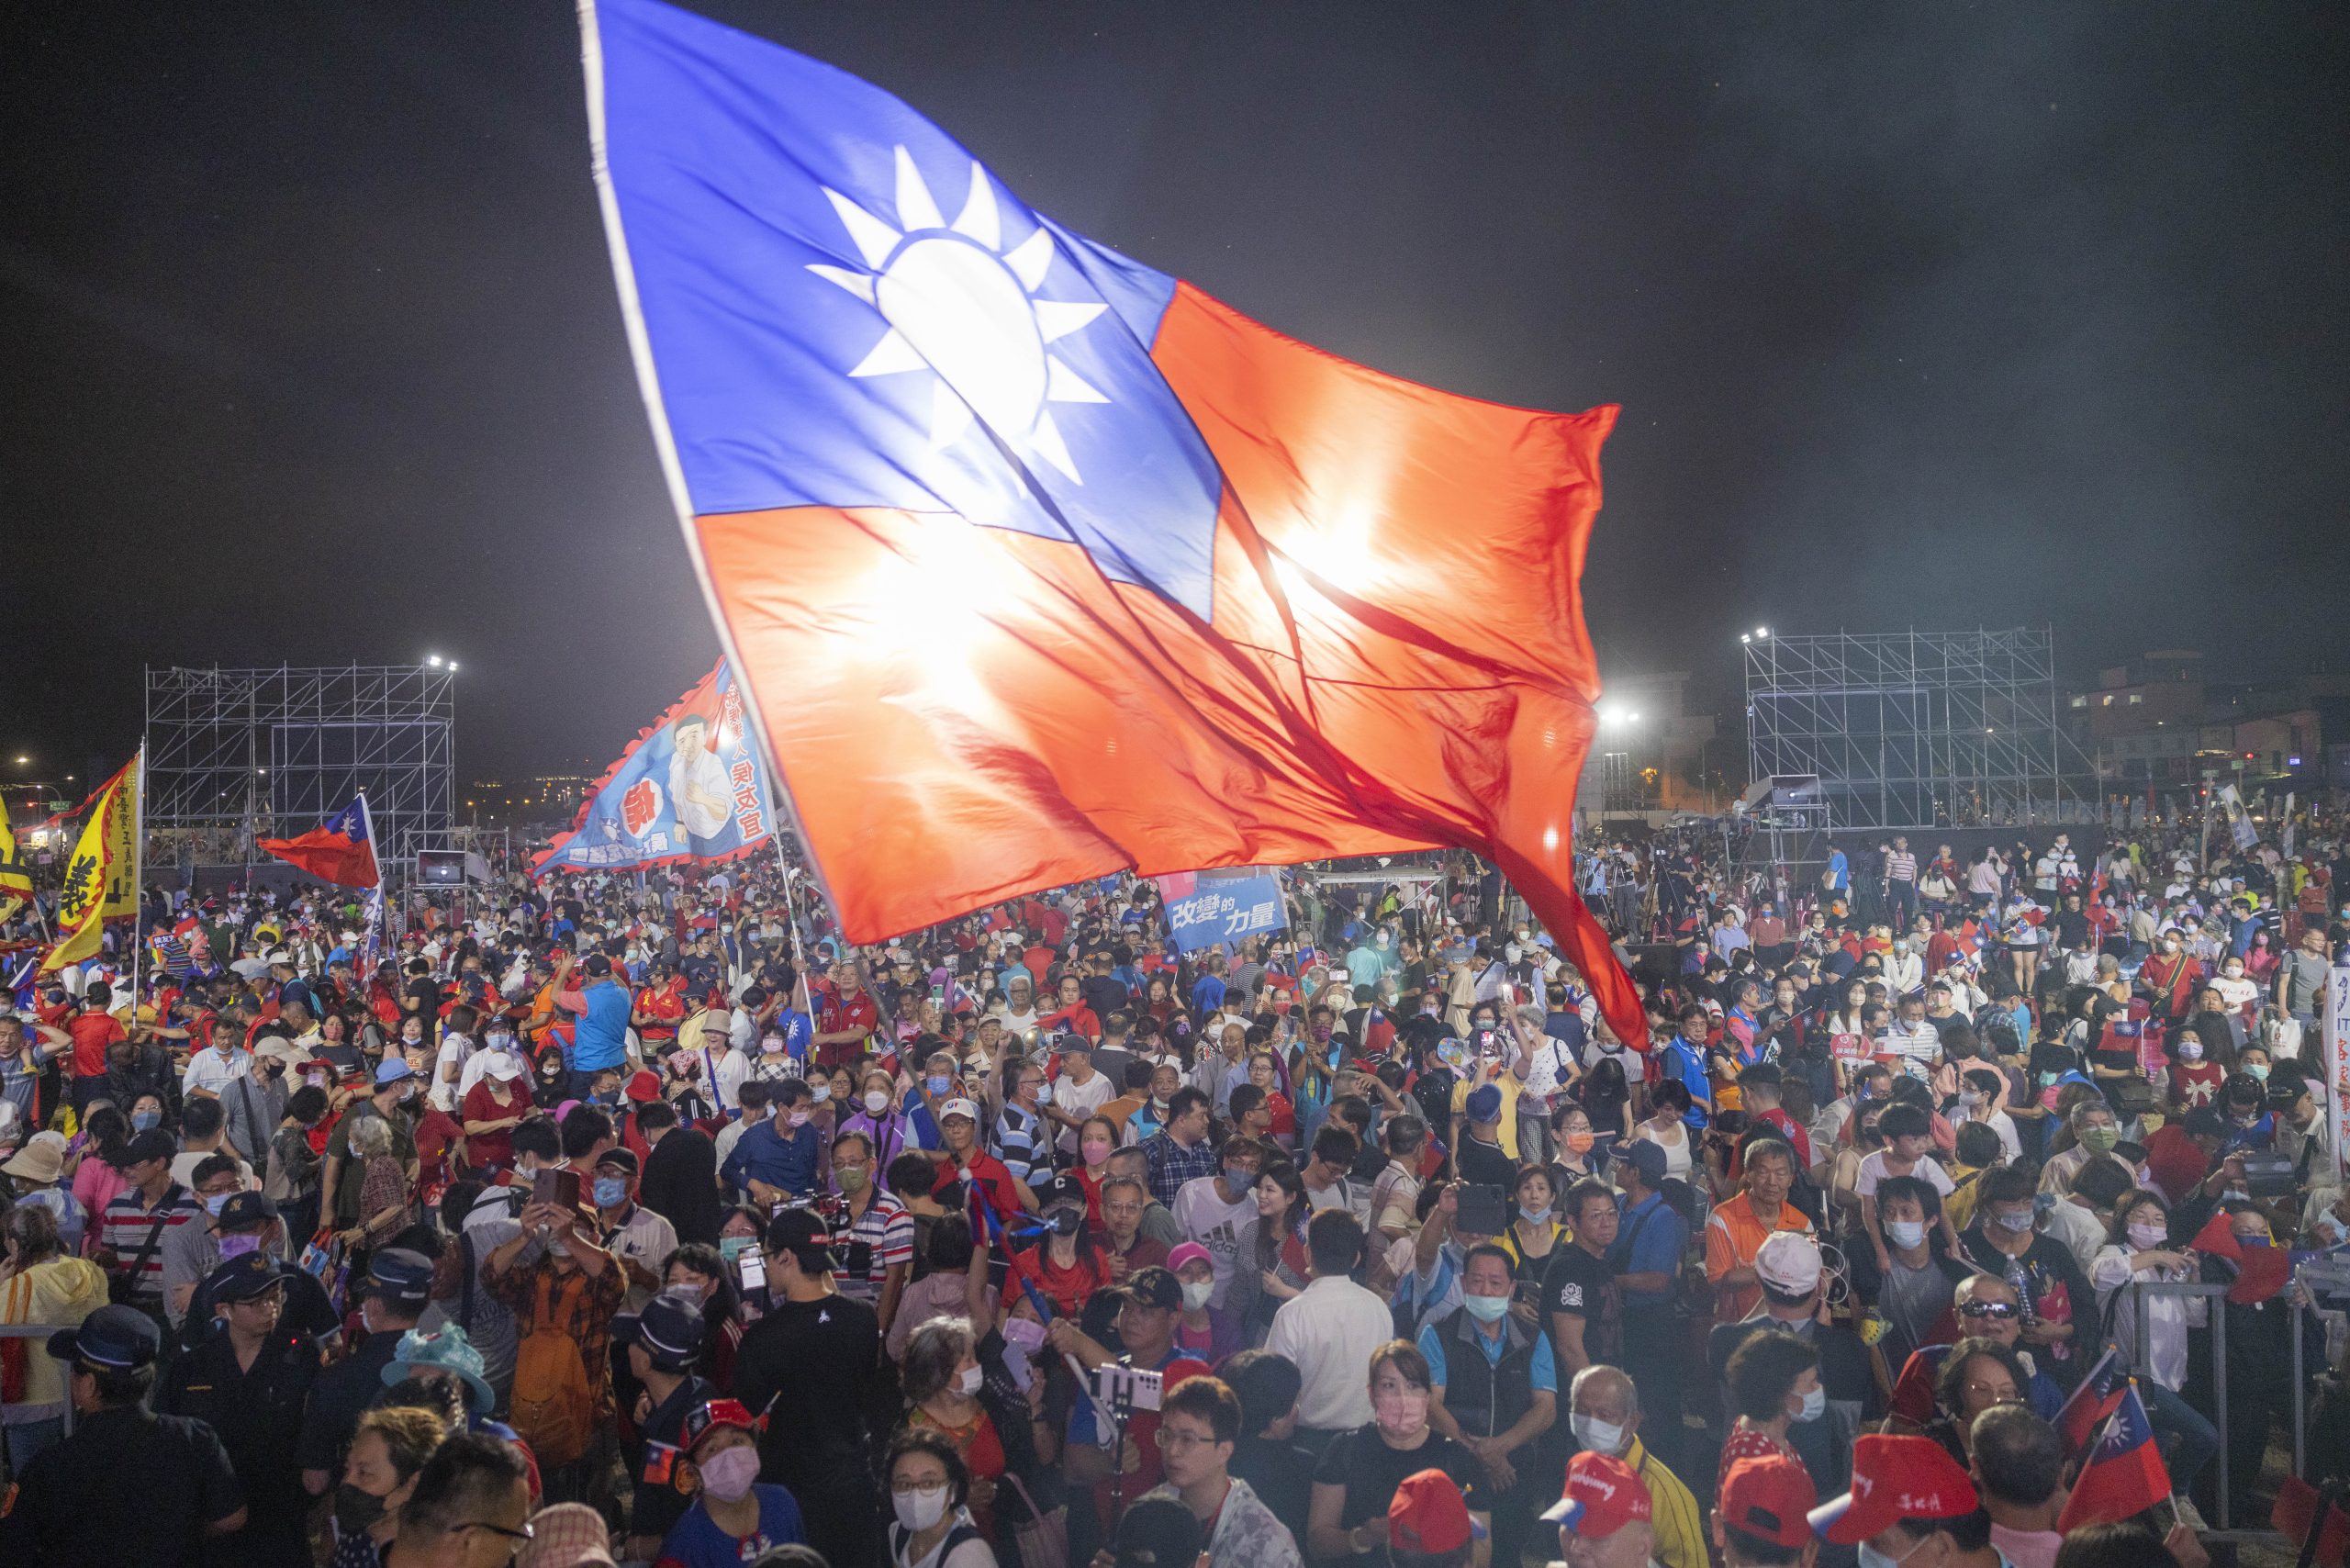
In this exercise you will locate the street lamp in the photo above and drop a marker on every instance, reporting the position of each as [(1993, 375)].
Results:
[(433, 659)]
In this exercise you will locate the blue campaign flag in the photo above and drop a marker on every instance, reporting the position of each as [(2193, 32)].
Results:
[(1208, 909), (690, 789)]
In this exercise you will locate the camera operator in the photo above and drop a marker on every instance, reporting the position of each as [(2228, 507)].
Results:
[(822, 1347), (1150, 1304)]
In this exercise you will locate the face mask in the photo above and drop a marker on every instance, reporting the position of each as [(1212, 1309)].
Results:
[(1580, 1143), (2261, 1240), (1968, 1099), (1815, 1405), (796, 1119), (968, 1381), (2147, 1237), (142, 1120), (2100, 1140), (1871, 1558), (355, 1510), (1044, 1093), (938, 1086), (1905, 1233), (729, 1475), (876, 1102), (2017, 1223), (2048, 1079), (1096, 1151), (610, 1192), (918, 1509), (238, 1246), (1598, 1435), (2259, 1071), (1486, 1308), (2191, 1050), (1402, 1413), (730, 1248), (1027, 1332), (215, 1204), (820, 1093), (1196, 1294)]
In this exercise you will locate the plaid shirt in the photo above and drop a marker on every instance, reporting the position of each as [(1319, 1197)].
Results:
[(1171, 1164), (584, 1317)]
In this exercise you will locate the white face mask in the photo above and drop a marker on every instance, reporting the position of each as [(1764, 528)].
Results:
[(1598, 1435), (1196, 1294), (1815, 1405), (968, 1381), (876, 1102), (1905, 1233), (920, 1508)]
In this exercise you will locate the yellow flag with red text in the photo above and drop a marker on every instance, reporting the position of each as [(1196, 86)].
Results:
[(82, 901), (15, 881)]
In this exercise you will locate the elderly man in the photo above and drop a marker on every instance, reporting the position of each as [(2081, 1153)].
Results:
[(1605, 1411), (1495, 1389), (1983, 1307), (1736, 1230)]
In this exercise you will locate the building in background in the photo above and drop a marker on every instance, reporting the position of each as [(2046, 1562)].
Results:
[(2159, 723), (1652, 756)]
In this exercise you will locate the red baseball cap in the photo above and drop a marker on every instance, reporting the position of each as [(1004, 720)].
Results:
[(1895, 1478), (1602, 1495), (1429, 1517), (1769, 1499)]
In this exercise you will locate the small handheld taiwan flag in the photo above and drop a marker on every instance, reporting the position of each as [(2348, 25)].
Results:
[(2124, 1476)]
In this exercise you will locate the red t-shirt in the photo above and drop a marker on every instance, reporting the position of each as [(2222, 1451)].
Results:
[(493, 1148), (990, 1179), (92, 1032)]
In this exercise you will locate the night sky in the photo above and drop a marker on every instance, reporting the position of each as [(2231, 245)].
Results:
[(1935, 316)]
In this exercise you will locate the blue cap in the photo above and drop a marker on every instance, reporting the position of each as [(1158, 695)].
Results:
[(244, 1277), (670, 1330), (115, 1338), (1484, 1103), (401, 1276), (449, 1348), (392, 1071)]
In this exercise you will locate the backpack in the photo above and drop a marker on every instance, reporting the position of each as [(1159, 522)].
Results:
[(553, 1408)]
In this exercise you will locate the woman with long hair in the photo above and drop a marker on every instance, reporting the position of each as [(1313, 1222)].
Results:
[(1097, 1139), (1270, 1266), (697, 1268), (99, 1179)]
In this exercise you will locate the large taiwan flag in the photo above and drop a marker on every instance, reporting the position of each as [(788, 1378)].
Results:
[(1039, 564)]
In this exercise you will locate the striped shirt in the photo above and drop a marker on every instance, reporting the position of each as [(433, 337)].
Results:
[(888, 1229), (1900, 866), (1017, 1135), (127, 1222)]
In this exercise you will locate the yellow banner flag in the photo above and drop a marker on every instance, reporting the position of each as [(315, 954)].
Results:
[(81, 904), (15, 879), (122, 843)]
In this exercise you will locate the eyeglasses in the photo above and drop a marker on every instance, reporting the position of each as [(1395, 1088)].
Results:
[(1987, 1309), (518, 1538), (1182, 1441)]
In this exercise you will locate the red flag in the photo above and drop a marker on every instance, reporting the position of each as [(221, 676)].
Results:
[(2124, 1476), (2295, 1513), (338, 851)]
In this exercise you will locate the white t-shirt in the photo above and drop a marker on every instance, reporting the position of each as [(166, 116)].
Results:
[(1873, 1171), (456, 1052), (1079, 1100), (1204, 1217)]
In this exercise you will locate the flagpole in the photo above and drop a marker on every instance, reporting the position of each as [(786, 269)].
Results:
[(138, 879)]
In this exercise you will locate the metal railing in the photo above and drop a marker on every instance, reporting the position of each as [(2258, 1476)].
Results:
[(2141, 1362)]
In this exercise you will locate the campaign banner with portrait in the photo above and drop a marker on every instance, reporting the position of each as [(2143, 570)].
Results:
[(690, 789), (1208, 909)]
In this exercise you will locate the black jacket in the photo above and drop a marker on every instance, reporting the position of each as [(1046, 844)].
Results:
[(680, 1184)]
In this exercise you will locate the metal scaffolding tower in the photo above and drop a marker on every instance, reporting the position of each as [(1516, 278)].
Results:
[(1917, 729), (236, 755)]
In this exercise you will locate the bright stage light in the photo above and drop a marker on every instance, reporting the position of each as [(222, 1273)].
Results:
[(433, 659), (1762, 634)]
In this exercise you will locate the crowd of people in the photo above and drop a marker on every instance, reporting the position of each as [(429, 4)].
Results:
[(639, 1218)]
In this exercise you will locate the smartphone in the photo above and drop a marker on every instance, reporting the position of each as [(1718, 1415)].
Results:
[(1483, 1211), (752, 1265), (560, 1188)]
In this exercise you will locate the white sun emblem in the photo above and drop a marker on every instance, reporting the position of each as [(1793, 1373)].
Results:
[(961, 306)]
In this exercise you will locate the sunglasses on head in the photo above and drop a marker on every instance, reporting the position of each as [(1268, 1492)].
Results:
[(1987, 1309)]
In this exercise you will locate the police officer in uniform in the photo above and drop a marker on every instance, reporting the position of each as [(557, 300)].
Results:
[(397, 1289), (127, 1486), (249, 1223), (248, 1383), (662, 1344)]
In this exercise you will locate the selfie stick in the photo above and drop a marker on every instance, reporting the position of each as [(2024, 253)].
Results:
[(1043, 1311)]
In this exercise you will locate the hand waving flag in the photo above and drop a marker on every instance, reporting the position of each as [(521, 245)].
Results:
[(1037, 564)]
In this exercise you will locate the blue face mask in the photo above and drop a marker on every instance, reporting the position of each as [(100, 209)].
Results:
[(140, 1120), (610, 1192), (939, 1086), (731, 1246), (1486, 1308), (215, 1204), (1815, 1405)]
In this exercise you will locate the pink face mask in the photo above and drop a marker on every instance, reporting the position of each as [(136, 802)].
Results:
[(1403, 1412)]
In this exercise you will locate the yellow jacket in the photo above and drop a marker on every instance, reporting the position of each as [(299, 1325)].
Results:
[(59, 1293)]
